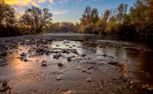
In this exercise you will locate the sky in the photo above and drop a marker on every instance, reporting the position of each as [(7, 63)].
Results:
[(67, 10)]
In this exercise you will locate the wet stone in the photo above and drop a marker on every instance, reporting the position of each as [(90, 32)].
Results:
[(42, 51), (91, 67), (23, 57), (69, 59), (3, 62), (57, 56), (74, 51), (3, 54), (44, 63), (88, 80), (4, 87), (83, 55), (113, 63), (60, 65), (58, 78), (23, 54), (65, 51)]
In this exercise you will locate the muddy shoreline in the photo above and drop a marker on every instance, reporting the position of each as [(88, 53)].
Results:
[(74, 64)]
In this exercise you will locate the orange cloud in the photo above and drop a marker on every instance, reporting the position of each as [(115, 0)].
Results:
[(27, 2)]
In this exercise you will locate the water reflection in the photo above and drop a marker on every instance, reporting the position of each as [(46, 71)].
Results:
[(139, 63)]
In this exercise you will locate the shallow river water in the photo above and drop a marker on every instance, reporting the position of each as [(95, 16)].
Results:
[(39, 66)]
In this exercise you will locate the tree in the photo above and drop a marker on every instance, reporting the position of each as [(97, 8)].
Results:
[(86, 17), (107, 15), (121, 12), (102, 22), (36, 19), (7, 15), (94, 15), (89, 20), (7, 20)]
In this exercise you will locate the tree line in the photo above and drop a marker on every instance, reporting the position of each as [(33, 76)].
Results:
[(34, 20), (134, 23), (123, 22)]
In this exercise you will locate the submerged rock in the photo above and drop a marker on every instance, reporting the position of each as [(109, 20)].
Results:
[(60, 65), (88, 80), (4, 87), (23, 57), (113, 63), (57, 56), (23, 54), (65, 52), (91, 67), (42, 51), (3, 62), (83, 55), (58, 78), (74, 51), (44, 63), (3, 54), (69, 59)]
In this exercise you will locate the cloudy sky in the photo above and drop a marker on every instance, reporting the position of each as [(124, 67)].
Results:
[(67, 10)]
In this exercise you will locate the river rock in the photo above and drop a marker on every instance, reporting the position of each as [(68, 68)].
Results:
[(4, 87), (44, 63), (60, 65)]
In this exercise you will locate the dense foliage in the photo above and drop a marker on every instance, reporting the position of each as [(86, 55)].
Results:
[(133, 24), (34, 20)]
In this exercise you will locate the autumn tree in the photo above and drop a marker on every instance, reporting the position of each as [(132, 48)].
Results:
[(36, 19), (7, 19), (121, 12), (102, 23), (7, 15), (89, 20)]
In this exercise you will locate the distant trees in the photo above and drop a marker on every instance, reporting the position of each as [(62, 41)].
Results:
[(65, 27), (36, 20)]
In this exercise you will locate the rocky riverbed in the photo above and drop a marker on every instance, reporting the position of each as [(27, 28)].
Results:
[(74, 64)]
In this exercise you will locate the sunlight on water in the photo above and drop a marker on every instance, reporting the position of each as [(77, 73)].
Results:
[(25, 63)]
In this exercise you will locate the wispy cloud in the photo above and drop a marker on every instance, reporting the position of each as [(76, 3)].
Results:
[(60, 12)]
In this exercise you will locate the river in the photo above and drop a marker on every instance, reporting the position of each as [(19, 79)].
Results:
[(74, 64)]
